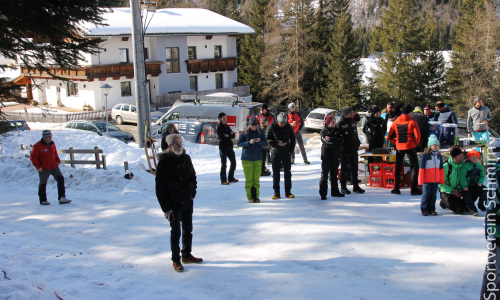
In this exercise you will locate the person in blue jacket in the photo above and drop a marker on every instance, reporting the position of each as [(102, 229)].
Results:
[(252, 140)]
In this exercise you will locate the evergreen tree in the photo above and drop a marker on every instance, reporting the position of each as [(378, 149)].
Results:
[(475, 58), (48, 32), (252, 48), (397, 42), (344, 68)]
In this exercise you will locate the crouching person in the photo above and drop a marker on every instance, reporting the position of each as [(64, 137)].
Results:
[(252, 140), (454, 180), (474, 177), (331, 139), (175, 190)]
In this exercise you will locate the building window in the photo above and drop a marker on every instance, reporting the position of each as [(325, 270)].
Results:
[(72, 88), (146, 53), (218, 81), (123, 55), (218, 51), (172, 60), (125, 87), (193, 83), (191, 52)]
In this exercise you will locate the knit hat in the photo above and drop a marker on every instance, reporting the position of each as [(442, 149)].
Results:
[(407, 109), (46, 133), (253, 121), (455, 152), (375, 109), (222, 114), (418, 109), (472, 153), (291, 105), (328, 119), (281, 118), (433, 140), (346, 110)]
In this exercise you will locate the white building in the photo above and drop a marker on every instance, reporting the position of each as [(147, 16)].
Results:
[(186, 49)]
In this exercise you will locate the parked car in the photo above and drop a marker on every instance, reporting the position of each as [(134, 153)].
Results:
[(100, 128), (194, 131), (6, 125), (315, 120), (127, 112)]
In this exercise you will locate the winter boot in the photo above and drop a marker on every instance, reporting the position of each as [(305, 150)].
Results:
[(396, 191), (253, 194), (337, 193), (63, 200), (358, 190), (344, 190)]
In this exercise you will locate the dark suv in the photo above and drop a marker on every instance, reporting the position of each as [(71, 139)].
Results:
[(100, 129), (198, 131)]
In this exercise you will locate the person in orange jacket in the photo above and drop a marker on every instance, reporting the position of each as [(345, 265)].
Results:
[(296, 122), (46, 161), (404, 133)]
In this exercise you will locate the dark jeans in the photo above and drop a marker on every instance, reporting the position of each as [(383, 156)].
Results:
[(300, 143), (182, 217), (223, 159), (329, 167), (346, 159), (277, 160), (452, 202), (428, 203), (412, 156), (44, 177), (470, 197), (491, 277), (265, 158)]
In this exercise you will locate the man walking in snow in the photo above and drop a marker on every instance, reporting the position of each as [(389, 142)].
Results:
[(46, 161), (175, 189), (296, 122)]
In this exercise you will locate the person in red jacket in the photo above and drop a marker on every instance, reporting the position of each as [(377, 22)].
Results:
[(296, 122), (46, 161), (404, 133)]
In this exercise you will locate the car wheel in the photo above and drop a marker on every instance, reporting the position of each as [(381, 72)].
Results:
[(119, 120)]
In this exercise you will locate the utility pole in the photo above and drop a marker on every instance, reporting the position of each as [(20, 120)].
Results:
[(141, 99)]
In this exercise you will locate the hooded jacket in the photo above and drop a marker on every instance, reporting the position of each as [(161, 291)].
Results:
[(294, 116), (269, 116), (375, 129), (175, 180), (431, 169), (474, 173), (285, 134), (455, 179), (45, 155), (252, 152), (476, 117), (349, 132), (331, 148), (404, 133)]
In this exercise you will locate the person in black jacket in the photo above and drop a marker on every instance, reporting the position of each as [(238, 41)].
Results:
[(349, 153), (423, 125), (225, 136), (282, 140), (169, 130), (331, 139), (375, 128), (175, 189)]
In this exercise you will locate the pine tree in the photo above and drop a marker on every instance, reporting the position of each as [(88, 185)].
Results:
[(475, 58), (397, 42), (252, 48), (344, 68), (48, 31)]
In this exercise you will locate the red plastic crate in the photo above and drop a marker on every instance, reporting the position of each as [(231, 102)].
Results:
[(376, 169), (376, 181), (389, 183), (390, 170)]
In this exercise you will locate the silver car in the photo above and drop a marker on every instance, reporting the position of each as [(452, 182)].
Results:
[(127, 112), (316, 118)]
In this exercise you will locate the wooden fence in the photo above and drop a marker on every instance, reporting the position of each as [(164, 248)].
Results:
[(100, 158), (47, 117)]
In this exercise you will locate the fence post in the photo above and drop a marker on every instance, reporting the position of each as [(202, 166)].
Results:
[(72, 157), (125, 165), (104, 162), (97, 163)]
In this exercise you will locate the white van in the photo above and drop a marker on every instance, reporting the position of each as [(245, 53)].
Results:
[(237, 114)]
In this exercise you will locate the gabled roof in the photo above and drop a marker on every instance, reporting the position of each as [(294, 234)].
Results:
[(169, 21)]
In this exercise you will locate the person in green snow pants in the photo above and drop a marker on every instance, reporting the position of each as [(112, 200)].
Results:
[(252, 140)]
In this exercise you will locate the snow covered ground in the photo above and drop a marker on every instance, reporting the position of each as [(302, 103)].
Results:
[(112, 241)]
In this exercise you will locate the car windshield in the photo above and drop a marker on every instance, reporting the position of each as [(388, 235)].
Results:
[(316, 116), (102, 127)]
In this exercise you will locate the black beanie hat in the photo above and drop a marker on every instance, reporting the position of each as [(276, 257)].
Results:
[(375, 109), (264, 106), (222, 114), (346, 110), (407, 109), (455, 152)]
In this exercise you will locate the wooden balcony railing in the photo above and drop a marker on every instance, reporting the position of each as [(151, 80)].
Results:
[(211, 65), (100, 72)]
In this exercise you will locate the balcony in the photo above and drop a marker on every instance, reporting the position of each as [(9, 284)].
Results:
[(99, 72), (211, 65)]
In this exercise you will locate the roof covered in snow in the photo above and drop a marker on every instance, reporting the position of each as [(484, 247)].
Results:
[(169, 21)]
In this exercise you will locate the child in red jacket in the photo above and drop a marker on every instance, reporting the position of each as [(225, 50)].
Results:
[(431, 174)]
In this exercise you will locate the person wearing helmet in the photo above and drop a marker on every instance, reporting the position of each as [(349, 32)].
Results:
[(296, 122)]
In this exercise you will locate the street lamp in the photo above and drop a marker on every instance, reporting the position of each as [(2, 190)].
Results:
[(105, 90)]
